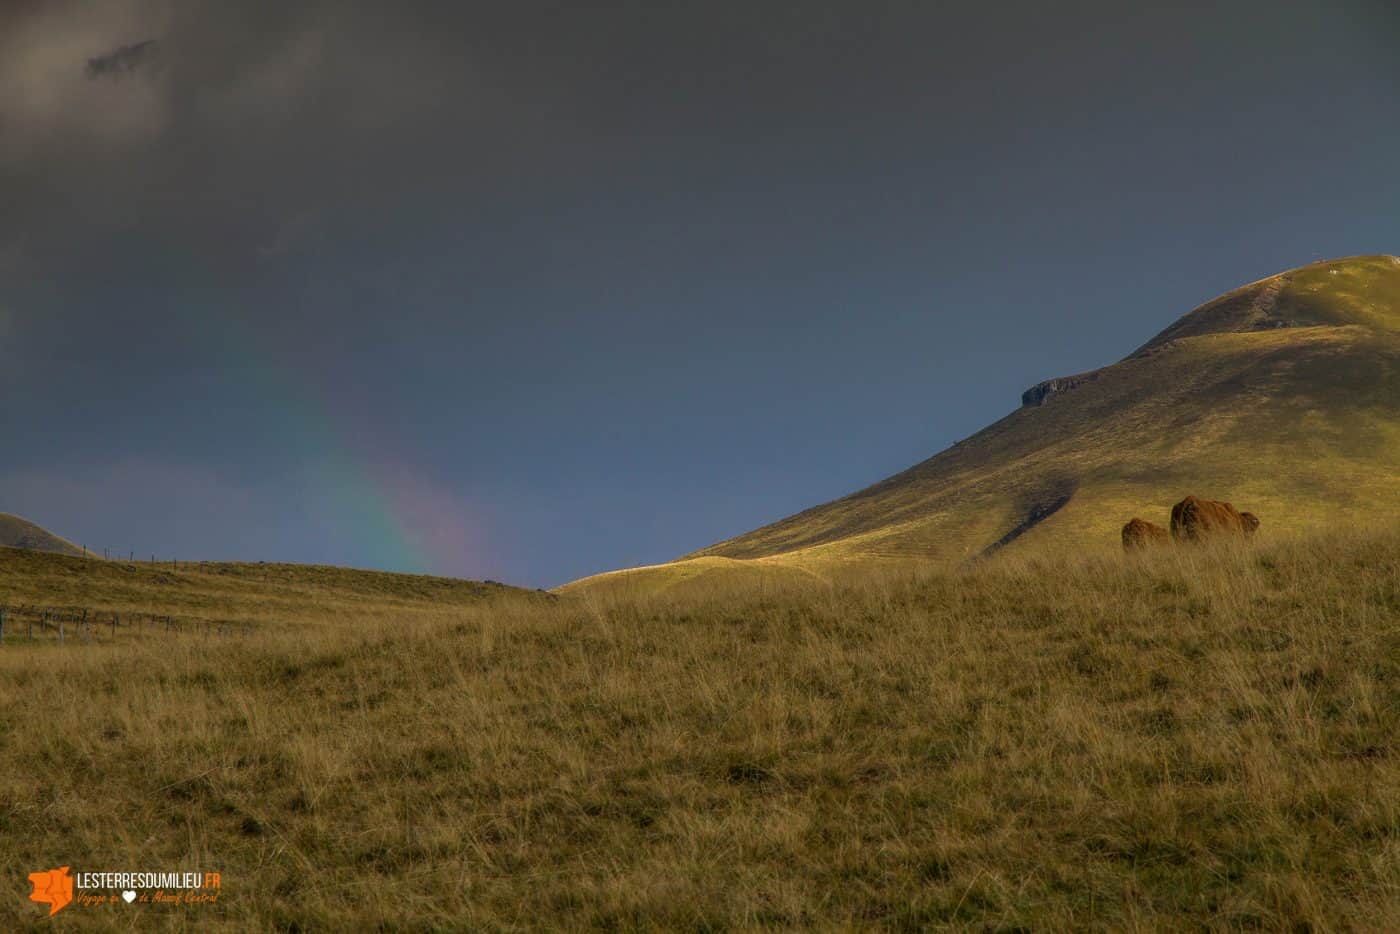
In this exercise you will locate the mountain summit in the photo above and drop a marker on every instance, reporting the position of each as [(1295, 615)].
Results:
[(1282, 396)]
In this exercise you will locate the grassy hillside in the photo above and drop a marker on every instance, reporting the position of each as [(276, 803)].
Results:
[(254, 594), (1199, 739), (1282, 397), (21, 533)]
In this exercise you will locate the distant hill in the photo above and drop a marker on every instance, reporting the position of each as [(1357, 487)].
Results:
[(1282, 396), (238, 592), (21, 533)]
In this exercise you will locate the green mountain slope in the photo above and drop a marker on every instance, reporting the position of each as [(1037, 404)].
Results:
[(1282, 396), (21, 533)]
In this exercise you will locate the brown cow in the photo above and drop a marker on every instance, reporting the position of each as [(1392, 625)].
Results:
[(1139, 534), (1194, 520)]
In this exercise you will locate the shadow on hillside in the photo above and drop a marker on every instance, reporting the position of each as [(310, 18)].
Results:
[(1044, 503)]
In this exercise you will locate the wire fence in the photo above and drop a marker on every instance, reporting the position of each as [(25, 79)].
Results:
[(86, 625)]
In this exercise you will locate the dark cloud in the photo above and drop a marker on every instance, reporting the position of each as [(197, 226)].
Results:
[(608, 256), (123, 60)]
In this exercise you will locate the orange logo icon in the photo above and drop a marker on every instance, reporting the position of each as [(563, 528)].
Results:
[(53, 888)]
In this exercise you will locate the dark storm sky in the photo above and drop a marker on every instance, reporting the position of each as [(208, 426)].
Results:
[(533, 290)]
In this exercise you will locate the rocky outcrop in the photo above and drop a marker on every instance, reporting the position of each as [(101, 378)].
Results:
[(1040, 393)]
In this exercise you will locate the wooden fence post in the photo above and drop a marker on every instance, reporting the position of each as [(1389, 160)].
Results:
[(2, 626), (60, 625), (114, 625)]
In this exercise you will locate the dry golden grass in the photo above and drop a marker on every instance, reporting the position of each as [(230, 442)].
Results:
[(246, 595), (1197, 739)]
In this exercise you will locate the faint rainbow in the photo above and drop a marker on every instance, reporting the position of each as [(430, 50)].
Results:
[(398, 518)]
